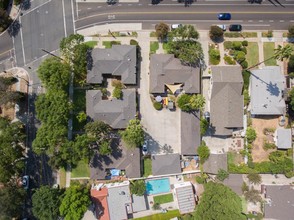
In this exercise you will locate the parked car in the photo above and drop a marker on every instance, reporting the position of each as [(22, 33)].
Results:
[(222, 26), (25, 182), (175, 26), (255, 1), (144, 148), (207, 116), (224, 16), (235, 27)]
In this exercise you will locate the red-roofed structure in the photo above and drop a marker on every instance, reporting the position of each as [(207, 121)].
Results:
[(99, 197)]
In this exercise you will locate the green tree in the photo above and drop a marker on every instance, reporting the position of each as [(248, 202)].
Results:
[(281, 53), (216, 33), (98, 131), (219, 202), (54, 74), (291, 31), (133, 135), (12, 138), (185, 32), (82, 116), (75, 202), (239, 56), (46, 202), (161, 30), (203, 152), (183, 102), (291, 95), (250, 135), (203, 126), (8, 96), (254, 178), (11, 202), (5, 20), (253, 196), (222, 175), (105, 148), (244, 187), (117, 93), (197, 102), (138, 187)]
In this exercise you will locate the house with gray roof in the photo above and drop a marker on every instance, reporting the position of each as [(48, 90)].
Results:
[(234, 181), (267, 86), (121, 158), (190, 133), (185, 197), (163, 164), (119, 61), (283, 138), (115, 112), (165, 69), (279, 202), (215, 162), (226, 100)]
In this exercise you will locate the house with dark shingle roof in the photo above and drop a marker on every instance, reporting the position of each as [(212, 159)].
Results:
[(267, 86), (163, 164), (215, 162), (118, 61), (115, 112), (226, 100), (165, 69)]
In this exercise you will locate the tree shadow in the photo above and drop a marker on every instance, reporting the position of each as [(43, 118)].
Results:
[(89, 59), (273, 89), (14, 28), (26, 5)]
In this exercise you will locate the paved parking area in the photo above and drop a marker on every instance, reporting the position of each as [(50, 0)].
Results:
[(218, 145)]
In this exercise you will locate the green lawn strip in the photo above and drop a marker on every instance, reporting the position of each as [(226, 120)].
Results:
[(91, 44), (212, 59), (244, 204), (108, 44), (154, 47), (162, 216), (82, 170), (242, 34), (165, 47), (268, 51), (231, 157), (152, 34), (252, 55), (62, 176), (161, 199), (147, 167), (246, 78)]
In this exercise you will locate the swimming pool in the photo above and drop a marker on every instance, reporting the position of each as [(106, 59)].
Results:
[(157, 186)]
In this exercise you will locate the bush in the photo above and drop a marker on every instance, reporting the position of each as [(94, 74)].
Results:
[(200, 180), (243, 49), (254, 178), (245, 43), (104, 92), (250, 135), (203, 126), (138, 187), (222, 175), (269, 34), (267, 131), (214, 56), (156, 206), (244, 64), (239, 56), (228, 45), (291, 31), (203, 152), (157, 105), (216, 32), (289, 174), (246, 97), (267, 145), (244, 187), (133, 42), (117, 93), (183, 102), (229, 60), (237, 45)]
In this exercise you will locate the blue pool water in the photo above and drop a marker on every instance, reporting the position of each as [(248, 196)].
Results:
[(157, 186)]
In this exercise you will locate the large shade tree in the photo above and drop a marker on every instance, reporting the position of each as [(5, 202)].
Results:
[(219, 202), (161, 30), (133, 135)]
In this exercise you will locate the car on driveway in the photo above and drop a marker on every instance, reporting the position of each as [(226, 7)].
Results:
[(235, 27), (224, 16), (25, 182), (144, 148)]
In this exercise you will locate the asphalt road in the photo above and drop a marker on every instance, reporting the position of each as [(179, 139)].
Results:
[(268, 15)]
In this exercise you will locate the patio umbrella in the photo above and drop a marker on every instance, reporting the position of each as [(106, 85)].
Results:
[(158, 98)]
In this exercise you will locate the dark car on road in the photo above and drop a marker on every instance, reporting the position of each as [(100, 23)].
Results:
[(255, 1), (235, 27), (224, 16)]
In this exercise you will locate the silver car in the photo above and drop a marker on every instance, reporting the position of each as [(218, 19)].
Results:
[(144, 148)]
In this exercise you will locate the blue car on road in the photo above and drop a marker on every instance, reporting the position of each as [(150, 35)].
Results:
[(224, 16)]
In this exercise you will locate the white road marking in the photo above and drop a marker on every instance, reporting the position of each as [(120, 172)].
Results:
[(64, 22), (271, 20), (77, 9), (98, 6), (250, 20), (36, 8), (89, 8), (139, 4), (73, 17), (291, 20), (260, 20), (129, 4), (22, 45), (282, 21), (256, 25)]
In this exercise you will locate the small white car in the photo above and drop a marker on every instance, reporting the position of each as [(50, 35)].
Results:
[(144, 148), (222, 26), (175, 26)]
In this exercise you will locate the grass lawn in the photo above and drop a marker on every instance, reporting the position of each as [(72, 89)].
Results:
[(246, 78), (91, 44), (147, 167), (244, 204), (82, 170), (242, 34), (154, 47), (268, 51), (165, 47), (79, 100), (152, 34), (162, 216), (62, 178), (108, 44), (161, 199), (252, 55)]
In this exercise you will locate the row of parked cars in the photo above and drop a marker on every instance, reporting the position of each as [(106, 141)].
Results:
[(232, 27)]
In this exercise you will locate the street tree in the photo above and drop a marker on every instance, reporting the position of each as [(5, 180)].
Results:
[(138, 187), (216, 33), (133, 135), (185, 32), (8, 96), (291, 31), (280, 54), (5, 20), (162, 30), (75, 202), (219, 202), (11, 202), (12, 138), (203, 152), (46, 202), (254, 178), (54, 74)]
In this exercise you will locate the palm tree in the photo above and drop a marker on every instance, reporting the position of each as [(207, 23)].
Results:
[(281, 53)]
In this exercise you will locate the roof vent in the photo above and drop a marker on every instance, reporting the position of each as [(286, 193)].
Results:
[(265, 105)]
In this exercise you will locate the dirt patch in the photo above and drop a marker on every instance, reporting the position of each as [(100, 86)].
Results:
[(259, 124)]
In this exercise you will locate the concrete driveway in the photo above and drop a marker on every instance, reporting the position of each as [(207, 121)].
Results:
[(162, 127)]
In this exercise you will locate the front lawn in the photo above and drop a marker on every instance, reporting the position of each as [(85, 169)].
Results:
[(153, 47), (79, 103), (242, 34), (244, 204), (108, 44), (162, 216), (147, 167), (165, 47), (91, 44), (161, 199), (269, 51), (82, 170), (62, 176), (252, 55)]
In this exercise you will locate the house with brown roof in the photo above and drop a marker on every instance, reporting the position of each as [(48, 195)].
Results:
[(168, 71), (226, 100), (117, 62)]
